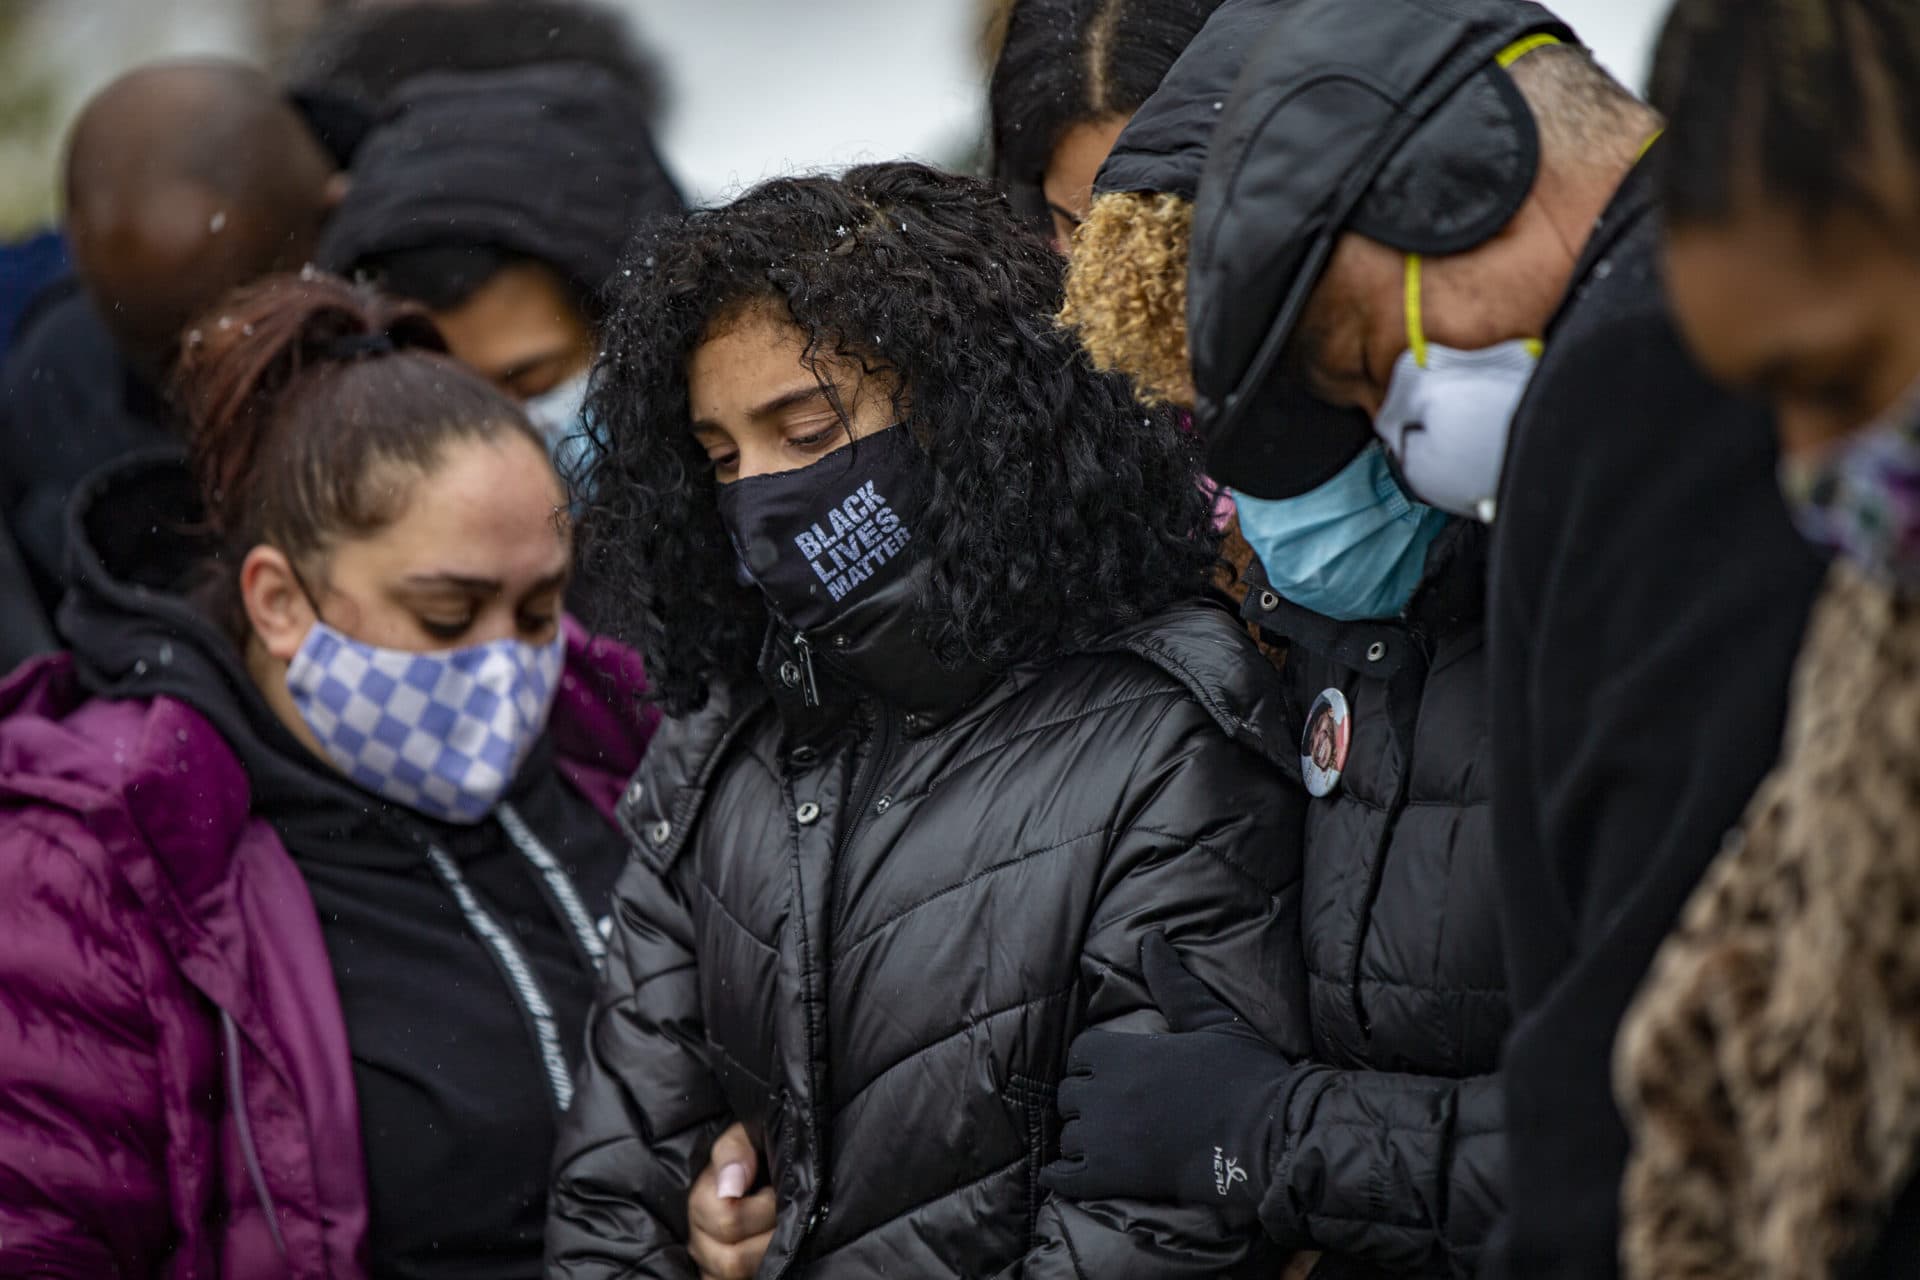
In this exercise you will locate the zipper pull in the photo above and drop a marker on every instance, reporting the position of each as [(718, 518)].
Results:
[(809, 686)]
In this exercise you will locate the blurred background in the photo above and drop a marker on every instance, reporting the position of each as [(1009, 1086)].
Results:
[(755, 87)]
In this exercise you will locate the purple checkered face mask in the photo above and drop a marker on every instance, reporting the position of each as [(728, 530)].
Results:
[(1861, 497), (443, 733)]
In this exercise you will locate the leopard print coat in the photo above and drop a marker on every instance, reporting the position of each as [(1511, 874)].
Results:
[(1770, 1069)]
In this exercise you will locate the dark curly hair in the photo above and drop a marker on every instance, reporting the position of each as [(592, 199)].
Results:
[(1058, 509)]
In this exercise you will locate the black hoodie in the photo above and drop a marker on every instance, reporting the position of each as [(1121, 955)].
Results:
[(457, 1110), (551, 162)]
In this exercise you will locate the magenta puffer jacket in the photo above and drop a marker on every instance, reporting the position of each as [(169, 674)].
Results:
[(176, 1097)]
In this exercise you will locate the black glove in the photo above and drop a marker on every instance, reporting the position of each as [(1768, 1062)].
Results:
[(1191, 1117)]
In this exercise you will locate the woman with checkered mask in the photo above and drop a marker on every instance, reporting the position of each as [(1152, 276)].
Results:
[(306, 848)]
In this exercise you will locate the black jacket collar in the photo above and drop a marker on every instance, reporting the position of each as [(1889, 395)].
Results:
[(874, 650), (1631, 202)]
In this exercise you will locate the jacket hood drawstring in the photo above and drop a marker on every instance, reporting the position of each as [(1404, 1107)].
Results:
[(236, 1088)]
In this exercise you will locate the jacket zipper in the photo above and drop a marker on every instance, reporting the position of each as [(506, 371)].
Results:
[(865, 783), (1403, 787), (809, 685), (865, 787), (243, 1126)]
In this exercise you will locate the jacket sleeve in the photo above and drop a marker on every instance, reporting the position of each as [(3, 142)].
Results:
[(1210, 854), (83, 1135), (645, 1107), (1419, 1163)]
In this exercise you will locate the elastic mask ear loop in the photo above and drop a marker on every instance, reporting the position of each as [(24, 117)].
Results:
[(1522, 47), (306, 591), (1416, 335), (1505, 59)]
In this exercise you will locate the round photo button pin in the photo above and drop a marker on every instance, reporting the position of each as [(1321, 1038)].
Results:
[(1323, 747)]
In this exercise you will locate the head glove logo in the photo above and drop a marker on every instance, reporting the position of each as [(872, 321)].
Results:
[(1226, 1171)]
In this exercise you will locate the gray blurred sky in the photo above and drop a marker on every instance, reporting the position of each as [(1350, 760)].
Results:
[(765, 86), (761, 86)]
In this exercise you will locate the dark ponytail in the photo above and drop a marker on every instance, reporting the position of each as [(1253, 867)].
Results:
[(1068, 62), (296, 389), (1814, 104)]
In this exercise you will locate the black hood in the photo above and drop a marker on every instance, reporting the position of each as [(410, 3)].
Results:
[(1393, 118), (552, 162), (1164, 147), (136, 546), (136, 540)]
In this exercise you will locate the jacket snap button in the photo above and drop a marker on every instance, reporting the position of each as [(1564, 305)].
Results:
[(790, 674), (661, 830), (819, 1215), (839, 642), (807, 814), (1376, 651), (1269, 602), (883, 804)]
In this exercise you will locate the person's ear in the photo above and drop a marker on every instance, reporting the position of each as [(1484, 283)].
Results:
[(277, 607)]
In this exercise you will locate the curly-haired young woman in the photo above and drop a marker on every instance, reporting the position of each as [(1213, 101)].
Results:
[(957, 741)]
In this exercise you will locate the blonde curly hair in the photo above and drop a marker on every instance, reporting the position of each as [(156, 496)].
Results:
[(1126, 296)]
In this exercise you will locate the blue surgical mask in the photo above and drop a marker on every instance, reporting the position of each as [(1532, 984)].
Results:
[(1354, 548), (560, 415)]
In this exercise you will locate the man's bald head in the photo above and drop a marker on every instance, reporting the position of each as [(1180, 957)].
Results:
[(185, 180)]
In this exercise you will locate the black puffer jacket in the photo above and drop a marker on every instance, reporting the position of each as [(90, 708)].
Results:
[(871, 930), (1394, 1144)]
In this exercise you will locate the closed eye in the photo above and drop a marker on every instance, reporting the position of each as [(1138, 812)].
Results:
[(446, 630)]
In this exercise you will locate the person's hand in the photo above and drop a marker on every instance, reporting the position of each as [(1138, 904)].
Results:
[(730, 1230), (1194, 1116)]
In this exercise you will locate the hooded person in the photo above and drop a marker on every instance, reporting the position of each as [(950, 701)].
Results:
[(1425, 236), (1768, 1068), (500, 201), (367, 53), (307, 846), (183, 180), (1386, 1148), (961, 735)]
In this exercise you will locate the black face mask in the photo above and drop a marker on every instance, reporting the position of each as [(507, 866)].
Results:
[(819, 539)]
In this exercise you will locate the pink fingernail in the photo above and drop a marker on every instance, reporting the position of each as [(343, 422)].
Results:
[(732, 1182)]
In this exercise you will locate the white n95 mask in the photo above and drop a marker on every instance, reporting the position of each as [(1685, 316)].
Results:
[(1448, 414)]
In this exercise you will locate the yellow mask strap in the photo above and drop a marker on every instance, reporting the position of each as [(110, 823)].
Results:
[(1647, 146), (1416, 335), (1522, 47)]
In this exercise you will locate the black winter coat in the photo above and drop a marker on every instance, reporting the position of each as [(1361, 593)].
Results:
[(1393, 1146), (1649, 595), (871, 931)]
